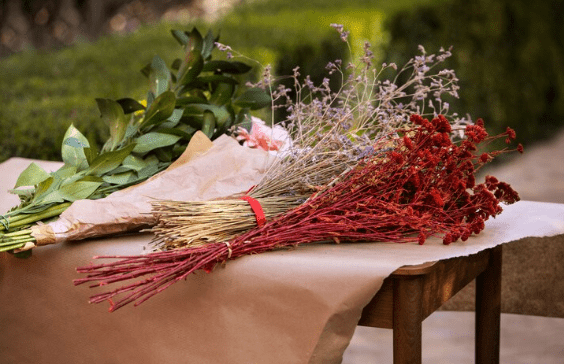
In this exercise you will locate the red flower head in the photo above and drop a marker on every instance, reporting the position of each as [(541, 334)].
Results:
[(441, 124), (510, 133), (396, 157), (520, 148), (476, 133), (447, 239), (421, 239), (407, 142), (416, 119)]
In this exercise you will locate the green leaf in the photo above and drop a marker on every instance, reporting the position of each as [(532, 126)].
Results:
[(148, 171), (74, 142), (66, 171), (208, 126), (220, 66), (91, 152), (176, 64), (27, 193), (154, 140), (159, 76), (51, 197), (78, 190), (120, 178), (244, 116), (150, 98), (175, 131), (195, 41), (190, 68), (193, 60), (163, 154), (131, 130), (223, 127), (180, 36), (31, 176), (72, 149), (92, 179), (118, 170), (173, 120), (133, 162), (221, 114), (107, 161), (253, 98), (114, 117), (151, 160), (217, 78), (43, 187), (160, 110), (193, 121), (183, 101), (130, 105), (222, 94), (209, 44)]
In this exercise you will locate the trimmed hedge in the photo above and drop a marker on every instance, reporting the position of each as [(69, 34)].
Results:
[(42, 93), (508, 54)]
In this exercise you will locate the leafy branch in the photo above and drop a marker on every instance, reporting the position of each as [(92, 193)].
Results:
[(194, 93)]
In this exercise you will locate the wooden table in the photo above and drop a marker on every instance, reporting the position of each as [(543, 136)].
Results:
[(412, 293)]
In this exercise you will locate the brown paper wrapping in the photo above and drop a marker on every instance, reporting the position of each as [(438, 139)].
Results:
[(204, 171), (299, 306), (43, 234)]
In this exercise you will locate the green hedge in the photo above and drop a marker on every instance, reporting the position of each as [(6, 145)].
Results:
[(508, 54), (42, 93)]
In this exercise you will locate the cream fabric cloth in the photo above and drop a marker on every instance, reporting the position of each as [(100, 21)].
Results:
[(286, 307)]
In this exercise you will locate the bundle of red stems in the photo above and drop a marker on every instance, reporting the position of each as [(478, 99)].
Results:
[(423, 186)]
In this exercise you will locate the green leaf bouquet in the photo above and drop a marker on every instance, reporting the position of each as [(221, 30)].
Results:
[(194, 93)]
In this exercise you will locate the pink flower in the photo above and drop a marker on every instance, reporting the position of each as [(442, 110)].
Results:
[(261, 136)]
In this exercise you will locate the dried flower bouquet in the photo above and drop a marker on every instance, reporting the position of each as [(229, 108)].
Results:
[(366, 165), (331, 131), (423, 186)]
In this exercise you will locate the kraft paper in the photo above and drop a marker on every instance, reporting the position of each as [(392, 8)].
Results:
[(291, 306)]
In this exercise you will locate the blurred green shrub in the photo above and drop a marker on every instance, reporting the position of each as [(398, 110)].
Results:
[(289, 38), (42, 93), (508, 54)]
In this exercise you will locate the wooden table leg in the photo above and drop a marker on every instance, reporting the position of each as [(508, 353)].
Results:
[(407, 320), (488, 310)]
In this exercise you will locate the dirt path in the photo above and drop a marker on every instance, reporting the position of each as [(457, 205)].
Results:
[(538, 174)]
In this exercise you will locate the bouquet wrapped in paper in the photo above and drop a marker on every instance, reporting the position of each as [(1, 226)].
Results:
[(206, 171)]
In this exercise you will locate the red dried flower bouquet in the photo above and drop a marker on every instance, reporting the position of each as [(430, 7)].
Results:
[(415, 184)]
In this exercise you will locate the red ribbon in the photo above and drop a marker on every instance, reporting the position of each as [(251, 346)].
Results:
[(257, 209)]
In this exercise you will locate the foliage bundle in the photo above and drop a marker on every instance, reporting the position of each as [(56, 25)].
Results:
[(195, 93)]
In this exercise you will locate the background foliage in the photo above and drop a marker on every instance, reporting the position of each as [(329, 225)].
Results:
[(508, 55)]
